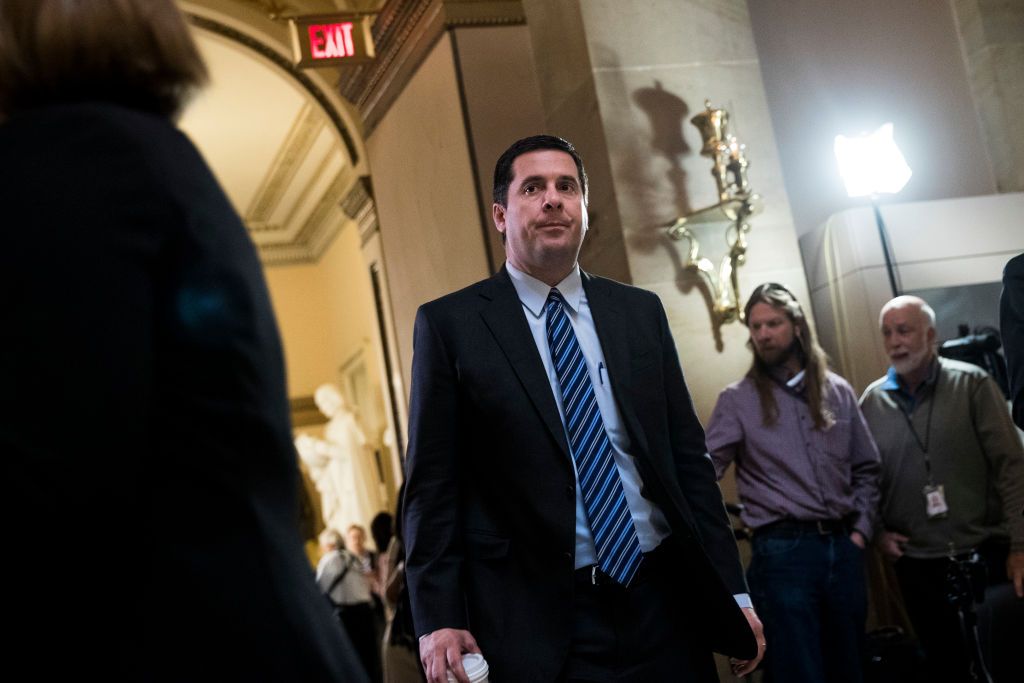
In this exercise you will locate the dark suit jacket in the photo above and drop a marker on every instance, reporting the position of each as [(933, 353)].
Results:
[(1011, 324), (490, 502), (150, 510)]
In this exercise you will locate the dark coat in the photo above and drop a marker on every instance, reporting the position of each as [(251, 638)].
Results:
[(150, 518), (1011, 324), (490, 502)]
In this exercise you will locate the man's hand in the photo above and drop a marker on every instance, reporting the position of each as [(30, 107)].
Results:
[(741, 667), (1015, 571), (442, 650), (891, 544), (857, 538)]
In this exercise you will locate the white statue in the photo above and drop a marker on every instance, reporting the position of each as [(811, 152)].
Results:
[(341, 464), (314, 453)]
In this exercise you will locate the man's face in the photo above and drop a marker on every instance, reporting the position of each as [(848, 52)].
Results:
[(545, 219), (771, 332), (355, 539), (908, 338)]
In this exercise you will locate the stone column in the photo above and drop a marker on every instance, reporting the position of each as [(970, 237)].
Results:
[(992, 39), (562, 57)]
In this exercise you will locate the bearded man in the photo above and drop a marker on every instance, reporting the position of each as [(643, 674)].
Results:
[(952, 481), (807, 475)]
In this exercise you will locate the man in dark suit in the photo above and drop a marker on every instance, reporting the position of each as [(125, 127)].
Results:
[(1011, 326), (562, 514)]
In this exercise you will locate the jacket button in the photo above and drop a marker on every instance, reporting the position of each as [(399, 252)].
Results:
[(570, 492), (568, 556)]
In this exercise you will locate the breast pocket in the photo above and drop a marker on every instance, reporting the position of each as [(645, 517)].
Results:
[(837, 439)]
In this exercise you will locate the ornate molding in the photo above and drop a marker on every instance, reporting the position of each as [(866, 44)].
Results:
[(359, 206), (325, 221), (403, 34), (286, 255), (261, 226), (484, 13), (317, 232), (277, 60), (296, 147)]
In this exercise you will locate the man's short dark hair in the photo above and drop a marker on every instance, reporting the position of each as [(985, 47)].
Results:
[(503, 169)]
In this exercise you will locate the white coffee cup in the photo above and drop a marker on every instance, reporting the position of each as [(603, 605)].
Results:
[(476, 668)]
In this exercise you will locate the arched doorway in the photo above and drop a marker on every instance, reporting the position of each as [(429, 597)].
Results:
[(288, 151)]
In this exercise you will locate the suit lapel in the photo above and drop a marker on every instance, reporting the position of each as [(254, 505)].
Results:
[(611, 331), (505, 319)]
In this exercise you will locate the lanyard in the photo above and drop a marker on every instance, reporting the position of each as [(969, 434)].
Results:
[(923, 445)]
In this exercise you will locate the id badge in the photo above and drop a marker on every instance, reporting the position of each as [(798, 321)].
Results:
[(935, 501)]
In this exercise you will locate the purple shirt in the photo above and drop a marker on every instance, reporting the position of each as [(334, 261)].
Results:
[(792, 470)]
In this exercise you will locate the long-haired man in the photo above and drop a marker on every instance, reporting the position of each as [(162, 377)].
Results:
[(807, 473)]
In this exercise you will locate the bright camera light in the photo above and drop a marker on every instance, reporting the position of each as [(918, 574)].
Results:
[(872, 163)]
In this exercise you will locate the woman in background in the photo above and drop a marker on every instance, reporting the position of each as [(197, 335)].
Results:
[(143, 417)]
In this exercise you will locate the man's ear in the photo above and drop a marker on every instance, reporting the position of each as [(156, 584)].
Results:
[(931, 336), (498, 215)]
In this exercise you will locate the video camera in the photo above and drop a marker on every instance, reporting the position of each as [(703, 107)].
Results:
[(981, 349), (966, 578)]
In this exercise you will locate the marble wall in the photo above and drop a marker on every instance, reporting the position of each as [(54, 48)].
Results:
[(430, 224), (502, 105), (833, 67), (646, 74), (992, 38), (572, 110)]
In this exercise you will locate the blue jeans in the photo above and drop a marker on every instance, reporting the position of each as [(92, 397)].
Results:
[(809, 590)]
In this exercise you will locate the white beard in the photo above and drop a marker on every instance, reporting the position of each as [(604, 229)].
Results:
[(912, 362)]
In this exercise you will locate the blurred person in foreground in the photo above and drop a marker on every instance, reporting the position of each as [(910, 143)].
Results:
[(952, 483), (143, 401), (1011, 326)]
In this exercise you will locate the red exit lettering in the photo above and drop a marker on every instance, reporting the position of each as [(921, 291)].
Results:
[(329, 41)]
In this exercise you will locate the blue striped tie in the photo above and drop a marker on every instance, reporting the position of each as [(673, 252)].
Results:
[(618, 549)]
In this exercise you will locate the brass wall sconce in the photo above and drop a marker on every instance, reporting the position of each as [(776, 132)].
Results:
[(736, 203)]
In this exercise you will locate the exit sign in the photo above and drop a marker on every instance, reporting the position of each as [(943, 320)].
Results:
[(331, 40)]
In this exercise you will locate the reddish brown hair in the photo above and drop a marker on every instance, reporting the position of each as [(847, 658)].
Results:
[(137, 53)]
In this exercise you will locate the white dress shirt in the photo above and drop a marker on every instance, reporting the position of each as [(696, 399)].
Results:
[(651, 525)]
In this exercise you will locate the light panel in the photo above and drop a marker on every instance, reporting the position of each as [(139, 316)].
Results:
[(872, 163)]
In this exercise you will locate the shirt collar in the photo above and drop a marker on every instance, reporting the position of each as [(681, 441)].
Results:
[(534, 293), (892, 380), (779, 372), (894, 383)]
